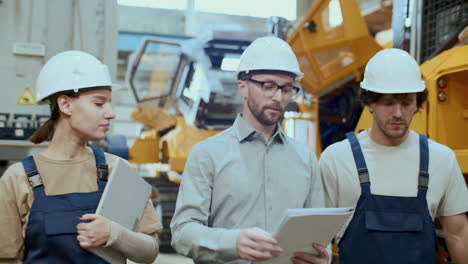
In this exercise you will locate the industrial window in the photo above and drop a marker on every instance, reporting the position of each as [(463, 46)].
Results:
[(334, 17), (167, 4), (230, 62), (257, 8), (442, 20)]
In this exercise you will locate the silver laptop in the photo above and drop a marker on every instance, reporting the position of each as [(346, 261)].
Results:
[(123, 201)]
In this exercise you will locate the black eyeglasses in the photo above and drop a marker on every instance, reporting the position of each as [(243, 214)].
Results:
[(270, 88)]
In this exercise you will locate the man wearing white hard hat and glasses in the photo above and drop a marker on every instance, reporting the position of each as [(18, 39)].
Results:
[(397, 180), (237, 184), (48, 200)]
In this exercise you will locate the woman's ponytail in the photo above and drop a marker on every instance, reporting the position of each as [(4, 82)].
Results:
[(46, 131)]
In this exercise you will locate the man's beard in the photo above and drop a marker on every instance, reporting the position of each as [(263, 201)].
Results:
[(394, 134), (260, 113)]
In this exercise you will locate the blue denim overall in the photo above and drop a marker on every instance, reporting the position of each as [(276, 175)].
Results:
[(51, 234), (389, 229)]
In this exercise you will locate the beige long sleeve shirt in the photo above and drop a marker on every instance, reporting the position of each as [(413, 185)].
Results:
[(234, 180), (59, 177)]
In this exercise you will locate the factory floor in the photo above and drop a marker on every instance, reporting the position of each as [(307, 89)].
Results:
[(172, 259), (164, 258)]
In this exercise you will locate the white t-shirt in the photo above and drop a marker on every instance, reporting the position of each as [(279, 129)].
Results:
[(393, 171)]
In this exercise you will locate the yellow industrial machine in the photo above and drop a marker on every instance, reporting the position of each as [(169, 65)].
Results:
[(333, 45), (446, 116)]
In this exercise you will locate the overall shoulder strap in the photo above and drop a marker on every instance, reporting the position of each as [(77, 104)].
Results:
[(358, 158), (101, 165), (423, 179), (34, 177), (31, 171)]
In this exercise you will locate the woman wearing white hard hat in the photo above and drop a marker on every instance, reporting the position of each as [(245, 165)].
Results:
[(48, 199)]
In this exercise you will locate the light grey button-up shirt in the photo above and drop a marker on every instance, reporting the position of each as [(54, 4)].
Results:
[(234, 180)]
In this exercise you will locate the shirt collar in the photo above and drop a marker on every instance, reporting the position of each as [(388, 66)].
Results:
[(245, 130)]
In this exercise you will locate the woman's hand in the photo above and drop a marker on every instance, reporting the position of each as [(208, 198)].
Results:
[(94, 233)]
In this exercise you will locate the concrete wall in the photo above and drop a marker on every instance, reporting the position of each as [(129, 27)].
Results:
[(31, 33), (55, 26)]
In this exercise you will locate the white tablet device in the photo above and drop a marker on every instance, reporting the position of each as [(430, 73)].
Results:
[(123, 201)]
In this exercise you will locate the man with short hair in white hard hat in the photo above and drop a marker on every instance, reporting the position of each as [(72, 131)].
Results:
[(397, 180), (238, 183)]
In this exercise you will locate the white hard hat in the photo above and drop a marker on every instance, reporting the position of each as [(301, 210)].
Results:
[(71, 70), (269, 53), (392, 71)]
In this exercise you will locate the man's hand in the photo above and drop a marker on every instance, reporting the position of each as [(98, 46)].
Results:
[(307, 258), (94, 233), (254, 244)]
